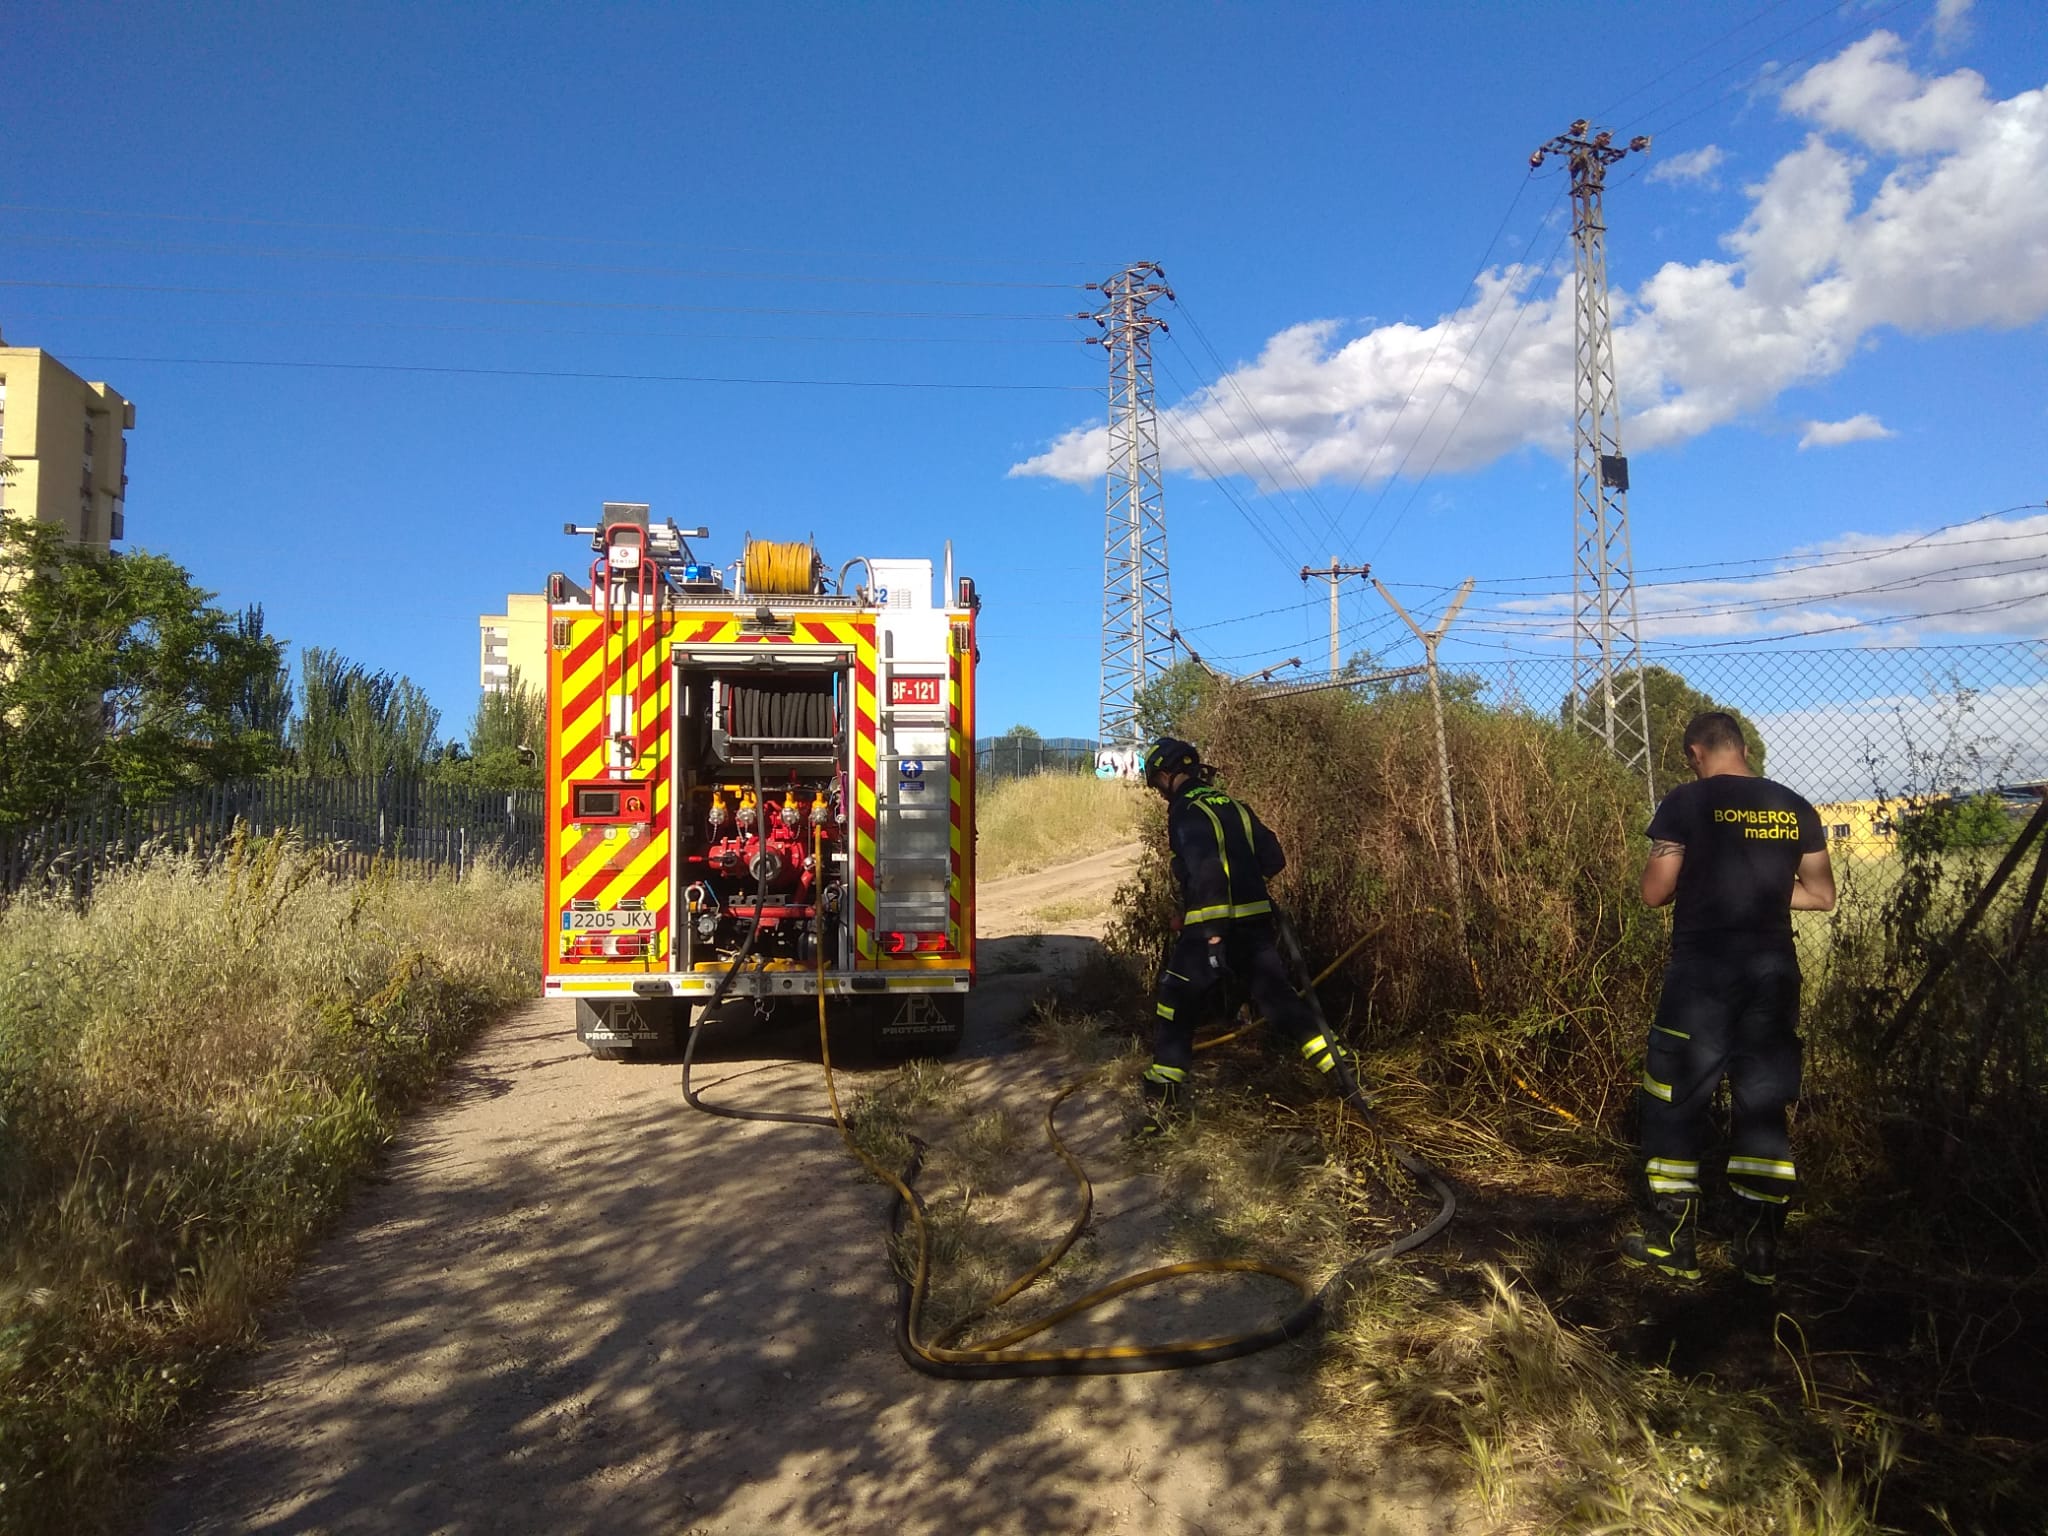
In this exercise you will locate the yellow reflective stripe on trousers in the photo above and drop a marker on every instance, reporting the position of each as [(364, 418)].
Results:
[(1673, 1175), (1758, 1195), (1765, 1167), (1164, 1011), (1676, 1034), (1158, 1073), (1661, 1090)]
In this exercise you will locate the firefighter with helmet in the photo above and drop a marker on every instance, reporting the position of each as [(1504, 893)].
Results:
[(1223, 855)]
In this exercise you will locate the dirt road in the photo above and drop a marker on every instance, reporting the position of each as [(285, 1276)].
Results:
[(570, 1304)]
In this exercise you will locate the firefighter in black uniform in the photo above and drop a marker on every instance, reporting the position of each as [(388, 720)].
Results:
[(1739, 854), (1223, 856)]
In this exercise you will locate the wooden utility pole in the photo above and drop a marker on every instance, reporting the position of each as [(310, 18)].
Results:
[(1429, 639)]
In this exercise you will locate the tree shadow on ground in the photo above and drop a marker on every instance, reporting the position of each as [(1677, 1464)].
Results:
[(576, 1306)]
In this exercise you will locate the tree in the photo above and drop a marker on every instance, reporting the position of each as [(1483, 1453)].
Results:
[(1670, 702), (507, 739), (1165, 704), (1956, 822), (1020, 733), (118, 673), (359, 723)]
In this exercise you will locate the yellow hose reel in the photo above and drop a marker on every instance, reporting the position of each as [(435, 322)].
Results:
[(780, 570)]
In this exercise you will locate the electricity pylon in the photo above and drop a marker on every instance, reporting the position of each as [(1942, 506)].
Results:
[(1137, 599), (1607, 650)]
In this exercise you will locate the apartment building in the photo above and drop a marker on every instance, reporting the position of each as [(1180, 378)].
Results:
[(63, 436), (515, 641)]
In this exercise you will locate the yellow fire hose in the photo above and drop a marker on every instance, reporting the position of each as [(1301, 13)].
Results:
[(779, 570), (998, 1357)]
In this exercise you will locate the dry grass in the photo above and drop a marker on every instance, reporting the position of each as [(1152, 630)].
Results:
[(1033, 823), (1556, 1433), (1557, 955), (192, 1072)]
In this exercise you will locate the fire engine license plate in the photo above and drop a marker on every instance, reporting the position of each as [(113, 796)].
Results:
[(606, 922)]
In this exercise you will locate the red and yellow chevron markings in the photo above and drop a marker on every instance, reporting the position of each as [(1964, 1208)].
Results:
[(622, 658), (866, 738)]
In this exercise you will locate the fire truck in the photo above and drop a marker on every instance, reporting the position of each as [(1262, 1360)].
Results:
[(761, 783)]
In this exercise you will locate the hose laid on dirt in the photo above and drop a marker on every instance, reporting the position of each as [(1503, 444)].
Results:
[(999, 1358)]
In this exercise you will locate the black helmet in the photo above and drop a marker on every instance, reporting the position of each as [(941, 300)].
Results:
[(1169, 755)]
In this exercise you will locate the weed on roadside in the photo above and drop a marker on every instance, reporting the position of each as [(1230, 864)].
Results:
[(192, 1072)]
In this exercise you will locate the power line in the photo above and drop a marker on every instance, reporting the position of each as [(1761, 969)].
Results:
[(540, 303), (1862, 24), (1980, 570), (215, 321), (1470, 347), (1996, 606), (1229, 376), (1235, 447), (1494, 585), (1423, 372), (514, 264), (431, 232), (1216, 478), (1846, 557), (1450, 436), (555, 373), (1741, 26)]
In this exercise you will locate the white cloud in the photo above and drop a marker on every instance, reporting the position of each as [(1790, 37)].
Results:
[(1951, 24), (1984, 577), (1860, 428), (1933, 738), (1691, 165), (1953, 236)]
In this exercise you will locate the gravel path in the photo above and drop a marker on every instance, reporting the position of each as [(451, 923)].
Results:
[(569, 1304)]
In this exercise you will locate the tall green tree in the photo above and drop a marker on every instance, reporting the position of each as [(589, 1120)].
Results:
[(1165, 704), (118, 673), (1671, 702), (353, 722), (506, 742)]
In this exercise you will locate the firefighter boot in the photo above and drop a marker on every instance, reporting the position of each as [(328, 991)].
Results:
[(1344, 1078), (1668, 1242), (1165, 1105), (1755, 1245)]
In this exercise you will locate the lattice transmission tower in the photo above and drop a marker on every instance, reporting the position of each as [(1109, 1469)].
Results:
[(1137, 599), (1607, 651)]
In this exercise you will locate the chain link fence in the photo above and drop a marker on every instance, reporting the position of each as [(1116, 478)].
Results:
[(1874, 737)]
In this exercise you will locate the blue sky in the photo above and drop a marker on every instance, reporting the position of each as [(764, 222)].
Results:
[(1831, 274)]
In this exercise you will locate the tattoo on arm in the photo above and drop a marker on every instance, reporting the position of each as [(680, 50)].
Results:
[(1663, 848)]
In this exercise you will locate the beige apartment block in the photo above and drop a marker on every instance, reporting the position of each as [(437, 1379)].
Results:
[(63, 437), (515, 641)]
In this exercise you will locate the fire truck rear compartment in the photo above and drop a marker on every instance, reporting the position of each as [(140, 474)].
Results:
[(762, 815)]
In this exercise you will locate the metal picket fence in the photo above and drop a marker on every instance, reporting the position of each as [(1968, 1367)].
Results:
[(350, 823), (1015, 757)]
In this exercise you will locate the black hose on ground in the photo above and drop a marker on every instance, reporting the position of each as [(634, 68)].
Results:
[(719, 993)]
